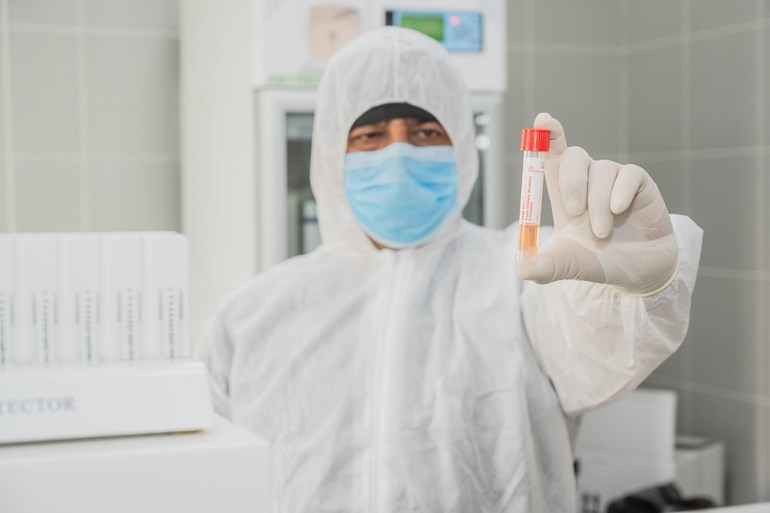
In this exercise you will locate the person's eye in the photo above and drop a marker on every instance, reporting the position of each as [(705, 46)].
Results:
[(364, 140), (366, 136), (427, 133), (369, 136)]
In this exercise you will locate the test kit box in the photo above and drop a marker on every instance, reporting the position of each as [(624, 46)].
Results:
[(106, 400), (94, 339)]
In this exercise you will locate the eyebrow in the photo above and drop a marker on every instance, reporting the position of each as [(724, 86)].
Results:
[(385, 122)]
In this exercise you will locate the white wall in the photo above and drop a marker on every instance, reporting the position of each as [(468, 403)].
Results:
[(89, 130)]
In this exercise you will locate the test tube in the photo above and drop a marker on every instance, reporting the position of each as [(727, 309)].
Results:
[(121, 284), (165, 293), (79, 287), (37, 304), (535, 144)]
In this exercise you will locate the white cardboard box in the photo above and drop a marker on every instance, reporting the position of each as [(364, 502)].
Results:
[(224, 469), (631, 445), (700, 467), (112, 399)]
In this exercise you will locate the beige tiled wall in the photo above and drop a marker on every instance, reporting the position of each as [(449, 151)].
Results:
[(706, 120), (90, 112), (553, 59), (682, 88), (697, 111)]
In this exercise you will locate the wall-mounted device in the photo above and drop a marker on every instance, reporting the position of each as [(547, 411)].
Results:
[(458, 31), (296, 37)]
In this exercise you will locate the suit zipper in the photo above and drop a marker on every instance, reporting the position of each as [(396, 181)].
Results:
[(381, 356)]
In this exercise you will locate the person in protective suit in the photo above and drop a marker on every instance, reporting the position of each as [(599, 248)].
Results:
[(408, 364)]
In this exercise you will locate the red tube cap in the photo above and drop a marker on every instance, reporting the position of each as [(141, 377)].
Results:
[(533, 139)]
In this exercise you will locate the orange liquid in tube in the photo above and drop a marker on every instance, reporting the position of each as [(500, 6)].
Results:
[(535, 144)]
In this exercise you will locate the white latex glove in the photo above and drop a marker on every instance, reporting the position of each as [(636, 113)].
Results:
[(611, 224)]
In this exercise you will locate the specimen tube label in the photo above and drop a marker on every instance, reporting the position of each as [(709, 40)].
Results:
[(533, 175)]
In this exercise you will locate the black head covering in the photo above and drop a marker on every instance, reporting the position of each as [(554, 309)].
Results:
[(388, 111)]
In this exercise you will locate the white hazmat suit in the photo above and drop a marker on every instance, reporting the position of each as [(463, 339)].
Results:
[(429, 379)]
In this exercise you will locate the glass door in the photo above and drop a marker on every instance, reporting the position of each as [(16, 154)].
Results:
[(301, 218)]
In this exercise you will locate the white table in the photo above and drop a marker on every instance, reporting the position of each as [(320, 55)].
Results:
[(763, 507), (225, 469)]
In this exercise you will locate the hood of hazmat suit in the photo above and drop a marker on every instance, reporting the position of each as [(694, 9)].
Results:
[(387, 66), (428, 379)]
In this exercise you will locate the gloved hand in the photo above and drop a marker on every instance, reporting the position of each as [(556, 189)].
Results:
[(611, 224)]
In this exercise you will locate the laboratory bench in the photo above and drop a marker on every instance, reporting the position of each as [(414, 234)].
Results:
[(224, 469)]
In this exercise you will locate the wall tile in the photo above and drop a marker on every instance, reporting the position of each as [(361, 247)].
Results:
[(764, 494), (516, 11), (764, 343), (581, 91), (145, 14), (724, 81), (515, 97), (723, 204), (133, 95), (135, 196), (734, 422), (765, 378), (513, 174), (668, 175), (684, 407), (708, 14), (764, 169), (766, 85), (585, 22), (655, 100), (516, 119), (44, 92), (723, 334), (2, 111), (43, 12), (676, 365), (3, 203), (47, 196), (654, 19)]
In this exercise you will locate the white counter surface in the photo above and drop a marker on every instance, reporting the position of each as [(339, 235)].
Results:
[(763, 507), (225, 469)]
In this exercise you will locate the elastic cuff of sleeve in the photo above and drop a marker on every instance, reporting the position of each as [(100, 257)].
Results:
[(630, 293)]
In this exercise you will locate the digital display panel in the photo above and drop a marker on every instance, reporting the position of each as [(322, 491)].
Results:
[(457, 31)]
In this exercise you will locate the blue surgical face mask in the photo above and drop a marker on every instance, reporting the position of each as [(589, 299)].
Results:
[(402, 194)]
